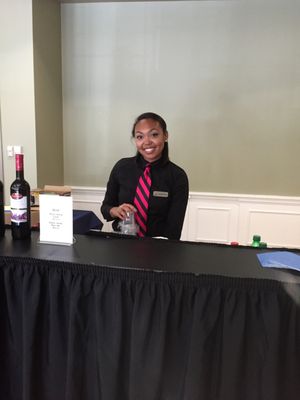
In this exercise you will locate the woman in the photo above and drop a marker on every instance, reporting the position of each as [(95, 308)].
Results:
[(164, 210)]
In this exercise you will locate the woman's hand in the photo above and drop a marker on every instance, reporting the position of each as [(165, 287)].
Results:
[(121, 211)]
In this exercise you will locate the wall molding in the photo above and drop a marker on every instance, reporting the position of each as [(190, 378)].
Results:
[(223, 217)]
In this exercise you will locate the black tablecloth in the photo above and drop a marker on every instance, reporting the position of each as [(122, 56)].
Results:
[(73, 329)]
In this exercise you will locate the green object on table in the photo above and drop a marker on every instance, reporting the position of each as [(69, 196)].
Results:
[(256, 241), (263, 244)]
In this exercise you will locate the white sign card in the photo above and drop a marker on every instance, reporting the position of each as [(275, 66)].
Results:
[(56, 219)]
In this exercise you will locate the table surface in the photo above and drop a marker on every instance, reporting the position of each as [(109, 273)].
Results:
[(119, 251)]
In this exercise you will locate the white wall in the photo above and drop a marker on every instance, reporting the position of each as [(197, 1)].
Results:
[(17, 87)]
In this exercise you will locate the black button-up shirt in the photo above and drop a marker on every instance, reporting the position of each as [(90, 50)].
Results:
[(168, 194)]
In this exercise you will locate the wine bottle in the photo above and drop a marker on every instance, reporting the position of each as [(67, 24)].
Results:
[(2, 221), (20, 202)]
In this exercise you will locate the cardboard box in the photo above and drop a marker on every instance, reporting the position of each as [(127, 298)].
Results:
[(49, 189), (61, 190)]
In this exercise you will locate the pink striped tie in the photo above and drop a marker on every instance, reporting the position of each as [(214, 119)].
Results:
[(141, 201)]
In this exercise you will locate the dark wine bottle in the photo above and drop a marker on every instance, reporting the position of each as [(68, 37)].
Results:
[(2, 220), (20, 203)]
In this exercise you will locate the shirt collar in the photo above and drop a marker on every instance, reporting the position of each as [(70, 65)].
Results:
[(142, 162)]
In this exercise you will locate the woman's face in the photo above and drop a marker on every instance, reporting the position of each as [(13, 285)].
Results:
[(149, 139)]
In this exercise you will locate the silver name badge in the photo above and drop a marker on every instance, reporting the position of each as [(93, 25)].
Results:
[(160, 194)]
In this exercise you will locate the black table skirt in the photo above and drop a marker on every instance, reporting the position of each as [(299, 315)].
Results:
[(81, 332)]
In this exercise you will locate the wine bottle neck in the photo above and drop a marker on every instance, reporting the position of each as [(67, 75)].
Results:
[(19, 166), (20, 175)]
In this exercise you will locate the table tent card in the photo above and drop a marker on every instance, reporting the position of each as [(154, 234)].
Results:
[(56, 219)]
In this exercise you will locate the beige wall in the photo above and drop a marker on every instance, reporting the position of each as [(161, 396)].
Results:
[(48, 96), (224, 74), (30, 89), (17, 87)]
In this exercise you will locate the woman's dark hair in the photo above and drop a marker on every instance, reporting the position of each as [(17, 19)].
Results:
[(163, 125), (150, 115)]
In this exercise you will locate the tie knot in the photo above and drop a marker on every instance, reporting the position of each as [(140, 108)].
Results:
[(147, 169)]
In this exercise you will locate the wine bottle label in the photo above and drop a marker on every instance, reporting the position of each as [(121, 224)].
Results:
[(18, 206)]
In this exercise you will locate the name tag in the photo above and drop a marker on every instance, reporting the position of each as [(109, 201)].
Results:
[(160, 194)]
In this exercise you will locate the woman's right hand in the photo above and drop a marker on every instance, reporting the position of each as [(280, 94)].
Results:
[(121, 211)]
